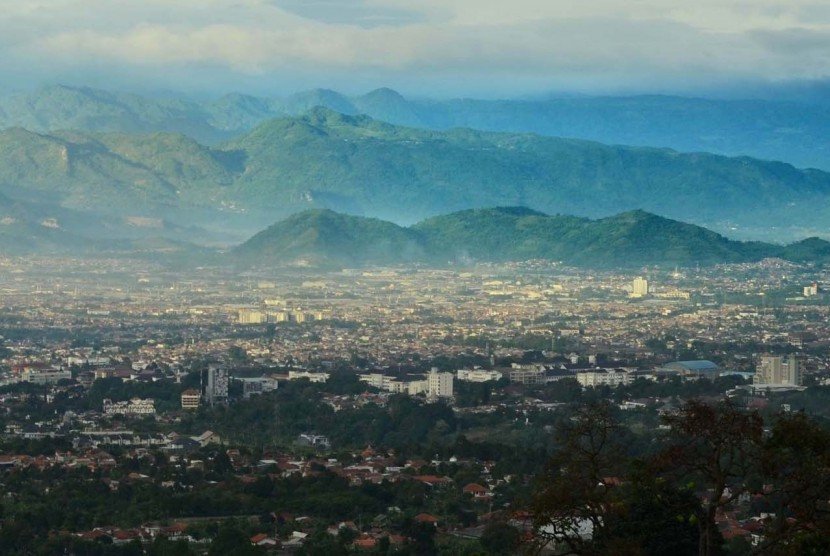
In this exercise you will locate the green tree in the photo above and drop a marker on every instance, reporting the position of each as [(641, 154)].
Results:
[(500, 538), (577, 489), (232, 540), (718, 447), (796, 461)]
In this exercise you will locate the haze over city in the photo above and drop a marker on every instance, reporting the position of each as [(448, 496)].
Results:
[(384, 277)]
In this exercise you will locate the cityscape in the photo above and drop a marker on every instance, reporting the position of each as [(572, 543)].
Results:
[(171, 383), (398, 278)]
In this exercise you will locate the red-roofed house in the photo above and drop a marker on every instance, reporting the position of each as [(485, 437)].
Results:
[(263, 540), (426, 518)]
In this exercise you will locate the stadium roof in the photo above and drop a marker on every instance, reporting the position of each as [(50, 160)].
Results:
[(700, 366)]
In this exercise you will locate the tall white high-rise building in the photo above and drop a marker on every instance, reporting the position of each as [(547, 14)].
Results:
[(639, 287), (775, 370), (439, 385), (217, 385)]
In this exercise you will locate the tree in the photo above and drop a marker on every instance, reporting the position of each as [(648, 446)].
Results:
[(500, 538), (231, 540), (162, 546), (653, 518), (576, 491), (796, 463), (596, 499), (718, 447)]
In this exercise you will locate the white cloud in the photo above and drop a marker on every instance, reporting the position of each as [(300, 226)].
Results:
[(604, 42)]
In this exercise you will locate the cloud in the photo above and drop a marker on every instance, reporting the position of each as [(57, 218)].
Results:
[(444, 44)]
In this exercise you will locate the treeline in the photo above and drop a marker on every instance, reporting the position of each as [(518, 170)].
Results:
[(713, 461)]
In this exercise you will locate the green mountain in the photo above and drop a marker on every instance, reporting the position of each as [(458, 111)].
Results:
[(631, 239), (359, 165), (115, 172), (324, 238), (364, 166), (83, 108), (793, 131)]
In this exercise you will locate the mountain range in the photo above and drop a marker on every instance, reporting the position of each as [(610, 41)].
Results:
[(791, 131), (325, 238), (169, 184)]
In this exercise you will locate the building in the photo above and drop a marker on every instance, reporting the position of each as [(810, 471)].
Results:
[(477, 375), (191, 399), (49, 375), (314, 441), (308, 375), (775, 370), (133, 407), (383, 382), (258, 385), (639, 287), (673, 294), (439, 385), (435, 384), (693, 369), (217, 385), (279, 316), (603, 377), (376, 380), (811, 290), (249, 316), (527, 374)]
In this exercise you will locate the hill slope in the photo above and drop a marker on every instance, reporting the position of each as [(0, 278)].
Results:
[(355, 164), (631, 239), (364, 166), (323, 238)]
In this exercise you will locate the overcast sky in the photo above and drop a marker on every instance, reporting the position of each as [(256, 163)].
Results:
[(432, 47)]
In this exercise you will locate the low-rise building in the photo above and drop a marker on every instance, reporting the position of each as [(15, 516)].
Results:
[(49, 375), (477, 375), (527, 374), (603, 377), (191, 399), (311, 376), (257, 385), (135, 406)]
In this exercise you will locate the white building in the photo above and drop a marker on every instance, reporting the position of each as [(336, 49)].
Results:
[(45, 376), (376, 380), (191, 399), (313, 377), (439, 385), (434, 385), (217, 385), (257, 385), (639, 287), (251, 316), (811, 290), (527, 374), (603, 377), (135, 407), (775, 370), (279, 316), (477, 375)]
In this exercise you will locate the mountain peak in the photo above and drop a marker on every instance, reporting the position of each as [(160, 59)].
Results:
[(323, 237), (324, 115), (518, 211), (302, 102), (636, 214), (384, 94)]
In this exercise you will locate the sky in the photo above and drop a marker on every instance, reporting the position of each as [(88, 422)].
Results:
[(482, 48)]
